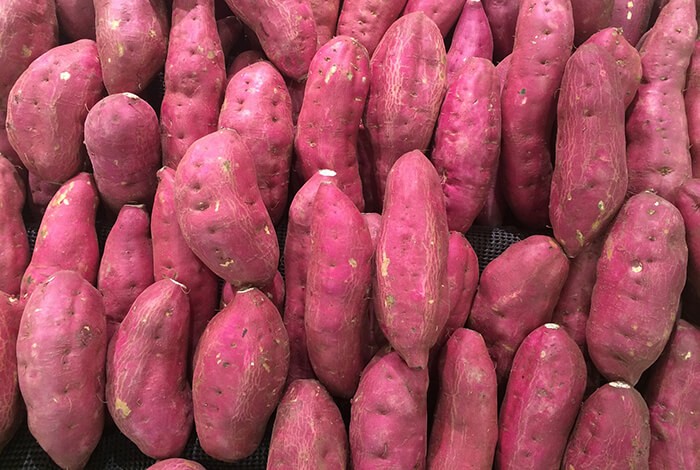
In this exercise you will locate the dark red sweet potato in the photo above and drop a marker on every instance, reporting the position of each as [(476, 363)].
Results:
[(590, 16), (502, 16), (692, 108)]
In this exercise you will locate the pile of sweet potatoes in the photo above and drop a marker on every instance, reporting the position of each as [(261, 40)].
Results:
[(292, 189)]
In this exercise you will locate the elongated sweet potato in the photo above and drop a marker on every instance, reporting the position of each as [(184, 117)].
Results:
[(11, 406), (389, 416), (503, 16), (542, 399), (240, 367), (465, 427), (368, 20), (411, 259), (194, 82), (632, 17), (309, 431), (468, 141), (590, 16), (67, 239), (640, 276), (176, 464), (274, 291), (76, 19), (63, 328), (258, 106), (692, 108), (14, 245), (472, 38), (326, 17), (47, 107), (612, 428), (444, 13)]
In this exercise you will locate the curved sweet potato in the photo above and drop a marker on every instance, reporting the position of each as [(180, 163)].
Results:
[(368, 20), (11, 405), (14, 245), (472, 38)]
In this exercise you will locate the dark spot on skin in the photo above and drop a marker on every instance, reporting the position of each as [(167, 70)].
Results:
[(245, 332)]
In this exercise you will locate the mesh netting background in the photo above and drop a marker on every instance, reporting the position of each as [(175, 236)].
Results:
[(116, 452)]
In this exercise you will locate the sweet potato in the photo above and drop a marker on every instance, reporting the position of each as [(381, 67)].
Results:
[(542, 46), (375, 339), (632, 17), (37, 26), (291, 42), (334, 100), (542, 399), (502, 69), (14, 245), (674, 404), (194, 83), (658, 158), (66, 239), (389, 416), (590, 17), (468, 141), (589, 182), (365, 163), (274, 291), (688, 202), (502, 16), (258, 106), (472, 38), (326, 16), (239, 371), (368, 20), (11, 406), (147, 392), (61, 367), (47, 107), (612, 430), (176, 464), (243, 60), (640, 276), (132, 39), (411, 259), (309, 432), (40, 194), (443, 13), (76, 19), (123, 142), (221, 213), (230, 29), (126, 268), (692, 108), (465, 427), (407, 85)]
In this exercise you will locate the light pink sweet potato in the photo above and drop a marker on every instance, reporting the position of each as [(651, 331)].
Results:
[(126, 268), (640, 276), (67, 239), (291, 42), (632, 17), (326, 16), (47, 107), (674, 404), (688, 203), (542, 400), (274, 291), (503, 16), (443, 13), (309, 432), (657, 128), (221, 212), (132, 39), (612, 430), (243, 60), (692, 108), (176, 464), (257, 105), (194, 82), (368, 20), (334, 100), (517, 293), (76, 19), (389, 416), (239, 372), (411, 259), (123, 142), (148, 395), (407, 85), (472, 38), (11, 406), (14, 245), (468, 141), (61, 367), (590, 16)]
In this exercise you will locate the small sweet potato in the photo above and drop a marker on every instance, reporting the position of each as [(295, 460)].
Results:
[(443, 13), (502, 16), (326, 16), (692, 108), (368, 20), (632, 17), (76, 19), (176, 464), (590, 16), (472, 38), (274, 291), (14, 245), (11, 406)]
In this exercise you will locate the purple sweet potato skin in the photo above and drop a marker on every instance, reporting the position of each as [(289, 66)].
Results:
[(638, 286), (368, 20), (443, 13), (176, 464), (692, 108), (126, 268), (230, 30), (132, 39), (688, 203), (309, 432), (674, 404), (148, 395), (408, 83), (502, 16), (334, 101), (632, 18), (338, 282), (326, 16), (468, 141), (14, 245), (194, 83), (375, 339), (257, 105), (590, 16), (123, 142), (472, 38), (76, 19), (63, 328), (292, 42), (657, 128), (612, 431), (589, 182), (45, 117), (411, 260), (27, 30), (543, 42), (173, 259), (389, 416), (11, 406), (542, 399), (221, 212), (274, 291), (465, 426), (239, 372), (67, 239)]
